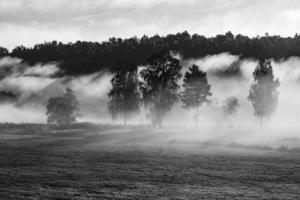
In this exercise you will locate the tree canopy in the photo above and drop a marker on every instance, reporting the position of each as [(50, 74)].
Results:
[(83, 57), (64, 109), (263, 93), (159, 86), (196, 89), (3, 52), (124, 97)]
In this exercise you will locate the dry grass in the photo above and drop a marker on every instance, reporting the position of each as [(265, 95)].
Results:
[(121, 165)]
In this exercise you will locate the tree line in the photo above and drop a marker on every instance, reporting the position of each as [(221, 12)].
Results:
[(82, 57), (156, 87)]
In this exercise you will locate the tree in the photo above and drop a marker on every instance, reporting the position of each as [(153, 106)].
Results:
[(63, 110), (196, 90), (124, 97), (159, 86), (230, 106), (3, 52), (96, 56), (263, 92)]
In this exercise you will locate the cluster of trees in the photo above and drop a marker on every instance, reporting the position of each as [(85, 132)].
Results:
[(158, 90), (87, 57)]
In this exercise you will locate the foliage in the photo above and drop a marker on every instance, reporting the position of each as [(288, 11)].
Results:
[(63, 110), (96, 56), (124, 97), (196, 89), (3, 52), (230, 106), (263, 92), (160, 85)]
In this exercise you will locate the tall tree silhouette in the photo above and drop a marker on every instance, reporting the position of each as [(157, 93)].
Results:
[(160, 85), (124, 97), (196, 90), (263, 92), (63, 109)]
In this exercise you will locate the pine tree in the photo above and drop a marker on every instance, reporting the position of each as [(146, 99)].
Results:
[(196, 90)]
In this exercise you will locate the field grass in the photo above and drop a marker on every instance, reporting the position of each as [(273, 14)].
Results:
[(139, 164)]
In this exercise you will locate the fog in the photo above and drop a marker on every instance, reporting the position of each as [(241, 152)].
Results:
[(31, 86), (25, 91)]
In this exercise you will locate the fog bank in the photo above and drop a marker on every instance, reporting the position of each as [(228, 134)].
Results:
[(24, 91)]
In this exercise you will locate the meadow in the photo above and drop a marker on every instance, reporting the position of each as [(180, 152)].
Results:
[(107, 162)]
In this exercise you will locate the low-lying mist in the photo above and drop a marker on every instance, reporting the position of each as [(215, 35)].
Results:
[(25, 90)]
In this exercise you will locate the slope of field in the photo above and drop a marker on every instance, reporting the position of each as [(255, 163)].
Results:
[(140, 164)]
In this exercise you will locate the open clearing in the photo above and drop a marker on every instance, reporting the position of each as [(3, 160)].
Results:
[(140, 164)]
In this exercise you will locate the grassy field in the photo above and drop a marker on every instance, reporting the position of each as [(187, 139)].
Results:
[(139, 164)]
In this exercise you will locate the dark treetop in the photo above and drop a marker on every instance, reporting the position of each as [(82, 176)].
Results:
[(87, 57)]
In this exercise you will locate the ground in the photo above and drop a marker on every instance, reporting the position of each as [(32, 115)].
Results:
[(140, 164)]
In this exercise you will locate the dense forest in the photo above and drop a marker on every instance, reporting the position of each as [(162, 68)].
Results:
[(87, 57)]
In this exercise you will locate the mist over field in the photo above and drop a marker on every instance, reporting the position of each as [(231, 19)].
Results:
[(25, 90), (152, 99)]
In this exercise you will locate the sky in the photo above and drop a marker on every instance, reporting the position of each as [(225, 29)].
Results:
[(27, 22)]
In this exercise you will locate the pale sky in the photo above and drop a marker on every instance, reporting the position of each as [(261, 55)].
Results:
[(28, 22)]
